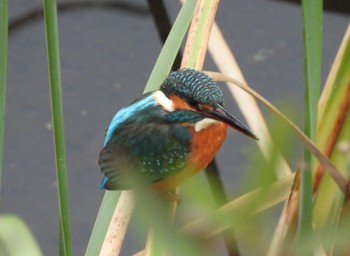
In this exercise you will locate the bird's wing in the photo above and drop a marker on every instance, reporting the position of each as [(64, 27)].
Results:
[(143, 152)]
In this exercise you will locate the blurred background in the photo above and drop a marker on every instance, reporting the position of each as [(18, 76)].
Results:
[(108, 49)]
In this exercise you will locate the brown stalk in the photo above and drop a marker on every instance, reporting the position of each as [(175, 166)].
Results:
[(119, 224), (199, 53)]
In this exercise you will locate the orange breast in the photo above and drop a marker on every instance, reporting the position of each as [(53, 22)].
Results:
[(205, 144)]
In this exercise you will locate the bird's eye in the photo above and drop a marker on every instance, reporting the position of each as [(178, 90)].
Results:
[(193, 103)]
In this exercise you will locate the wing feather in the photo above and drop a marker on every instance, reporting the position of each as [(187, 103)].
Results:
[(146, 151)]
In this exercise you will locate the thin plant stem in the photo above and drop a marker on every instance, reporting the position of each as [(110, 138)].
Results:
[(216, 185), (167, 56), (3, 75), (312, 23), (50, 13), (163, 24)]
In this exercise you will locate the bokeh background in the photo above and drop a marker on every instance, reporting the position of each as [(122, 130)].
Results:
[(108, 49)]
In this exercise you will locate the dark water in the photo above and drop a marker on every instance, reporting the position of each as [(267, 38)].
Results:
[(107, 54)]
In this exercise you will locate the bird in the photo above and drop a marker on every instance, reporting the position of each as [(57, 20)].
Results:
[(168, 135)]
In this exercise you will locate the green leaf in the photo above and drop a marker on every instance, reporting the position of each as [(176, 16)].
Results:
[(171, 47), (103, 219), (246, 205), (333, 130), (312, 25), (16, 238)]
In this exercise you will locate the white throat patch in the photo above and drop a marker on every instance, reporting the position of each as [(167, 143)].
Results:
[(163, 101), (204, 124)]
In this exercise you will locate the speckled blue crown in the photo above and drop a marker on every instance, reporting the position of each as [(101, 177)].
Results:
[(193, 84)]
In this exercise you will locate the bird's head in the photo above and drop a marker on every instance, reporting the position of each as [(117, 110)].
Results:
[(192, 90)]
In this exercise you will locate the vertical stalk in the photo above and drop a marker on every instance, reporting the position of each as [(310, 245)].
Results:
[(50, 13), (167, 56), (312, 33), (3, 74)]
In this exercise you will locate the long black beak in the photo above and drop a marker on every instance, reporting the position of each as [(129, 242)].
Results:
[(220, 114)]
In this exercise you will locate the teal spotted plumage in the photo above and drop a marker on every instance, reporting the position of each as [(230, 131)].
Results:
[(146, 145)]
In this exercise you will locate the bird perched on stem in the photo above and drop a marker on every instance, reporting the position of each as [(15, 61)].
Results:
[(168, 135)]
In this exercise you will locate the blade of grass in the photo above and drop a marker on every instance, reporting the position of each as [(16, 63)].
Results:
[(51, 26), (333, 107), (248, 204), (217, 188), (160, 70), (333, 97), (280, 241), (3, 75), (342, 246), (103, 219), (163, 24), (312, 32), (172, 45), (163, 236), (231, 214), (333, 131)]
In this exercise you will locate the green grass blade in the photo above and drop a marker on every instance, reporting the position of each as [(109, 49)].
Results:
[(248, 204), (50, 13), (16, 238), (103, 219), (333, 130), (312, 22), (168, 54), (3, 74), (160, 71), (334, 104)]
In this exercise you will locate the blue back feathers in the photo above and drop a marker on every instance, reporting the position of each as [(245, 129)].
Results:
[(127, 112), (193, 85)]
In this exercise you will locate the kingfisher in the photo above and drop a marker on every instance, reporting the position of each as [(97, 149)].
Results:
[(168, 135)]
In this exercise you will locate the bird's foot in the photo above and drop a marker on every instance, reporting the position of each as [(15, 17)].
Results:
[(171, 196)]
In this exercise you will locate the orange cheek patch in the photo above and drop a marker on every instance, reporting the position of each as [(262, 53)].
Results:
[(179, 103)]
